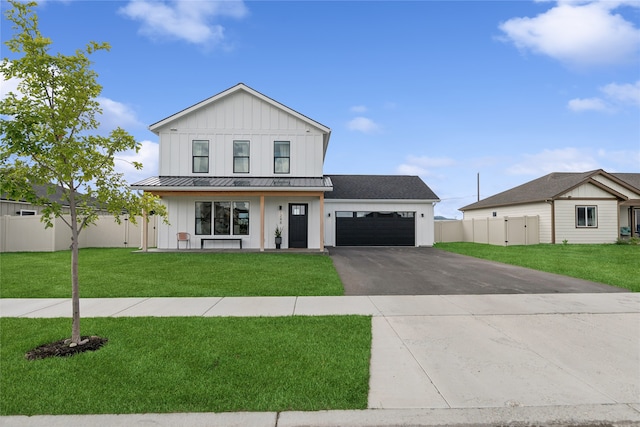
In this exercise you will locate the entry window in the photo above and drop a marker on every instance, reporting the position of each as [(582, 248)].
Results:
[(586, 216), (298, 210), (200, 153), (240, 156), (203, 218), (241, 218), (281, 157)]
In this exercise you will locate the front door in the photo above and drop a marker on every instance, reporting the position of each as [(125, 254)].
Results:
[(298, 225)]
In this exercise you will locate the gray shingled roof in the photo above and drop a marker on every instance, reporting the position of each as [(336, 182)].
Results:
[(547, 187), (379, 187), (183, 182)]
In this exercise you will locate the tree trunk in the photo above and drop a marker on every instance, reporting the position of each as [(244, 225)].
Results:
[(75, 288)]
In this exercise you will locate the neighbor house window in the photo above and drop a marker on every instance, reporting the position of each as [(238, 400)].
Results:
[(240, 156), (586, 216), (200, 153), (240, 218), (203, 218), (281, 157)]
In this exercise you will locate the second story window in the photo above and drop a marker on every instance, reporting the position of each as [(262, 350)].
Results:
[(281, 157), (200, 153), (240, 156)]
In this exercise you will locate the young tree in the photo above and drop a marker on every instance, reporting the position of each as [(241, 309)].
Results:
[(47, 138)]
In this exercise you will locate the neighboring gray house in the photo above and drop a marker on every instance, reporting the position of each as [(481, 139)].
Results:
[(585, 207), (239, 164), (22, 208)]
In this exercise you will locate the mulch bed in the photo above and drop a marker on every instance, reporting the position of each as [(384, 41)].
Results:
[(63, 349)]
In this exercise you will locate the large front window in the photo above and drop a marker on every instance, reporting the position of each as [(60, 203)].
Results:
[(222, 217), (229, 218), (281, 157), (200, 153), (203, 218), (240, 218), (586, 216), (240, 156)]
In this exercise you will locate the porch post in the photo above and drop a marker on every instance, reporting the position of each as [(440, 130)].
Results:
[(145, 231), (321, 222), (262, 223)]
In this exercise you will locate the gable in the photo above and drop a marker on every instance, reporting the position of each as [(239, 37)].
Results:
[(241, 108), (238, 111)]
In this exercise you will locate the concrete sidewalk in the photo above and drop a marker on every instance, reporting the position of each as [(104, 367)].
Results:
[(544, 359)]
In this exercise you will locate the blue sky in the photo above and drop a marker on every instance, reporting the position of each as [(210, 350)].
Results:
[(510, 90)]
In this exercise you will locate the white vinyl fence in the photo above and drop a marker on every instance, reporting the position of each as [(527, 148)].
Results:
[(27, 234), (507, 231)]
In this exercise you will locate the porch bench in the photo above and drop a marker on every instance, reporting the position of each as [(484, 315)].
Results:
[(224, 239)]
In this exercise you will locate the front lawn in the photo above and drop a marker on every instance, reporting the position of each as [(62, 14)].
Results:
[(109, 273), (189, 364), (616, 265)]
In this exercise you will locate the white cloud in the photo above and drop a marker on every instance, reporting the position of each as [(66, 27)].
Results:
[(587, 104), (578, 33), (615, 96), (363, 124), (560, 160), (148, 156), (116, 114), (623, 93), (358, 109), (7, 86), (184, 20), (423, 165)]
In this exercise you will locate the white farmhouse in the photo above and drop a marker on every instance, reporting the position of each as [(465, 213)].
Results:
[(239, 165)]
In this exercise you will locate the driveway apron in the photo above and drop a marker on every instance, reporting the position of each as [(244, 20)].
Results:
[(431, 271)]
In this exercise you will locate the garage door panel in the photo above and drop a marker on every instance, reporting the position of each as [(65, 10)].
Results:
[(375, 231)]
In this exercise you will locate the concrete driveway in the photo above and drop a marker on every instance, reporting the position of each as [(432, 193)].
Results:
[(430, 271)]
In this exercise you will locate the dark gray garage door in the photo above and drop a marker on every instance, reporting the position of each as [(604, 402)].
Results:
[(375, 229)]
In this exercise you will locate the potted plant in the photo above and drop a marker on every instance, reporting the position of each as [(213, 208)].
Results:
[(278, 234)]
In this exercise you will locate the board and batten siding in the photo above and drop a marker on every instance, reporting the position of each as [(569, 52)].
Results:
[(425, 233), (605, 232), (617, 187), (240, 117), (182, 218), (540, 209)]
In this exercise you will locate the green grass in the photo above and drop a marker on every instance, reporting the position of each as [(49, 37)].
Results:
[(616, 265), (107, 273), (190, 364)]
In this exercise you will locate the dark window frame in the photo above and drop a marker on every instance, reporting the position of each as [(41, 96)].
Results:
[(194, 156), (203, 220), (238, 157), (278, 156)]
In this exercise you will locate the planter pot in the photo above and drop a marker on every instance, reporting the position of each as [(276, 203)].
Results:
[(278, 242)]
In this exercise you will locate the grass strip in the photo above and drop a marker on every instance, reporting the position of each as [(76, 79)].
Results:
[(189, 364), (109, 273), (615, 265)]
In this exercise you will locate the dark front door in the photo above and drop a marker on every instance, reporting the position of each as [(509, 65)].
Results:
[(298, 225)]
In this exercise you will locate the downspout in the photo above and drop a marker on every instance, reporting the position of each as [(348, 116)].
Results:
[(262, 223), (553, 221), (321, 222)]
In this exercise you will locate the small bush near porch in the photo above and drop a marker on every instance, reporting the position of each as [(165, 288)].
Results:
[(109, 273), (615, 265)]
